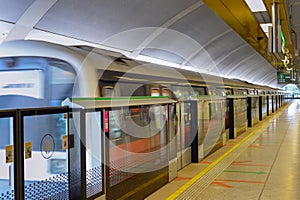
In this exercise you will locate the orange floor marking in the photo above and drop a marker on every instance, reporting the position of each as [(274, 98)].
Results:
[(182, 178), (220, 183), (240, 181)]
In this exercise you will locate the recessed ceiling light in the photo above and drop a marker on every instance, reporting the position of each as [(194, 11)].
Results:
[(256, 5)]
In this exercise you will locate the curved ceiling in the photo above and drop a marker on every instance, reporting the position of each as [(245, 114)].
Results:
[(187, 32)]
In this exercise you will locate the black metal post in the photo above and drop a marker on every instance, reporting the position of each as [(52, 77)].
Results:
[(231, 118), (19, 156), (194, 132), (249, 111)]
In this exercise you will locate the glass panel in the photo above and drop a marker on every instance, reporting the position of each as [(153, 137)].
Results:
[(94, 176), (137, 145), (240, 115), (270, 104), (75, 156), (172, 132), (186, 128), (264, 105), (254, 109), (61, 79), (46, 160), (213, 121), (6, 161), (227, 114)]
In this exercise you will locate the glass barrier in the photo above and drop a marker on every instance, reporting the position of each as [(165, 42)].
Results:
[(212, 120), (240, 115), (184, 138), (264, 106), (270, 104), (173, 132), (227, 114), (75, 158), (94, 160), (46, 156), (186, 128), (255, 110), (137, 138), (6, 161)]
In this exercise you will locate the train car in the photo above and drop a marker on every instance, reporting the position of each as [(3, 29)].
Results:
[(43, 74)]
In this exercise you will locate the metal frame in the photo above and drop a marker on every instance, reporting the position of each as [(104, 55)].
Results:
[(18, 141), (17, 185)]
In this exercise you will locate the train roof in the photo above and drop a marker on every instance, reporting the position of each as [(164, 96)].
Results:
[(113, 61)]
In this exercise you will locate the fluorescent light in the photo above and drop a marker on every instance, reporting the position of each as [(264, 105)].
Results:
[(256, 5), (265, 27)]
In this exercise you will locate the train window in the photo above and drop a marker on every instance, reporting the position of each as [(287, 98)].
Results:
[(166, 92), (221, 92), (155, 92), (197, 91), (252, 92), (61, 81), (182, 92), (35, 82), (61, 74), (107, 91), (228, 91), (241, 91), (131, 89)]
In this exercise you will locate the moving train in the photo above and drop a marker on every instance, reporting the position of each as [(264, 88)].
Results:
[(42, 74)]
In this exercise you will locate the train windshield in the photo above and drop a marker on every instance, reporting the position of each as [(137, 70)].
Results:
[(34, 82)]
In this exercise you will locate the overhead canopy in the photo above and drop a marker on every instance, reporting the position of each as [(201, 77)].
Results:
[(182, 32)]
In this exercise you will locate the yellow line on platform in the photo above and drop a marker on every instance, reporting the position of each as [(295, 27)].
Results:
[(204, 171), (141, 187)]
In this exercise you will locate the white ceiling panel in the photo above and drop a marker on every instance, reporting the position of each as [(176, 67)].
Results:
[(98, 20), (183, 32), (202, 25), (12, 10)]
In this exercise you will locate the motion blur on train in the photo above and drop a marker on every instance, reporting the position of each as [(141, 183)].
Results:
[(209, 109)]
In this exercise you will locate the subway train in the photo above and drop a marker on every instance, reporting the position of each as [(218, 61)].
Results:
[(40, 74), (43, 74), (209, 109)]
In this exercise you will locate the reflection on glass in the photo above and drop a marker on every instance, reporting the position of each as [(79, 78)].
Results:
[(137, 139), (213, 125), (240, 114), (94, 178), (46, 169)]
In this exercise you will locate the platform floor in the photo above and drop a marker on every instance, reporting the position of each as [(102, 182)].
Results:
[(263, 163)]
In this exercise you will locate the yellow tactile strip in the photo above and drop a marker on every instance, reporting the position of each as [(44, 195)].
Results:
[(196, 185)]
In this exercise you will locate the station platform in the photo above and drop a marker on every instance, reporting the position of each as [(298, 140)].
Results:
[(263, 163)]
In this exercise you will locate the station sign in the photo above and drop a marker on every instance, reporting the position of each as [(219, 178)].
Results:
[(286, 77)]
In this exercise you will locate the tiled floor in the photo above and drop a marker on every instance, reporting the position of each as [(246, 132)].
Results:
[(268, 169)]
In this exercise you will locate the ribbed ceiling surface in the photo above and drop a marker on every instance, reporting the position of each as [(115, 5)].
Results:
[(184, 32)]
